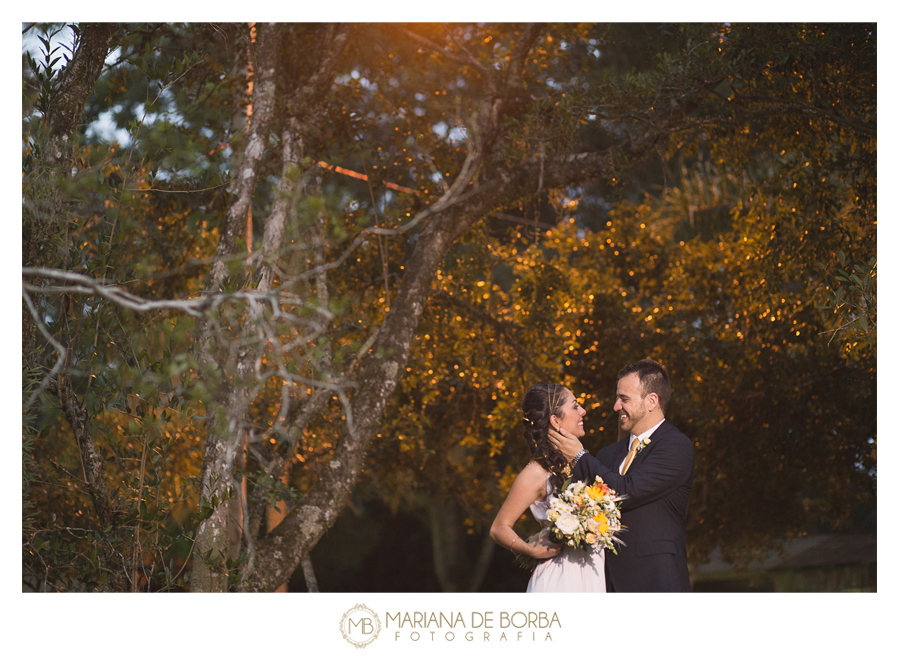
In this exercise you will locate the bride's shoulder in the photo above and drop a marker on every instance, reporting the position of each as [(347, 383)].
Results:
[(534, 472), (535, 467)]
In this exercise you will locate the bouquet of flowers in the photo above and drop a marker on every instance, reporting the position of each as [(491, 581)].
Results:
[(586, 516), (582, 516)]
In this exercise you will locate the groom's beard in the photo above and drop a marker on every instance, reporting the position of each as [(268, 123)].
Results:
[(627, 425)]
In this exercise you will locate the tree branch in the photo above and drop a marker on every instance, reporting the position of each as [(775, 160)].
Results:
[(252, 154), (195, 307), (520, 53), (333, 39), (808, 108), (469, 60)]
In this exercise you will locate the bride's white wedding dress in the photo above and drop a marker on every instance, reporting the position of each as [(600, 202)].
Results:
[(573, 570)]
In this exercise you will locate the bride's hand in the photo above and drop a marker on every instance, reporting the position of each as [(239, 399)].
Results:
[(567, 444), (541, 547)]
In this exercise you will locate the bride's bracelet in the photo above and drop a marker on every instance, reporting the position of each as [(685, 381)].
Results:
[(513, 542)]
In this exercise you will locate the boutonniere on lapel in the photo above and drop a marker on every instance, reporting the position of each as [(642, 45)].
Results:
[(636, 447)]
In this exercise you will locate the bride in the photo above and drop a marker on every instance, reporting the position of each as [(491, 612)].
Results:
[(567, 569)]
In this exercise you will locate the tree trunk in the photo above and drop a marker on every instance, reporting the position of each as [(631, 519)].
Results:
[(456, 569), (231, 408), (274, 516)]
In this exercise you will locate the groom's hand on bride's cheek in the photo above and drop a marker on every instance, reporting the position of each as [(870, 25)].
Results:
[(566, 443), (556, 438)]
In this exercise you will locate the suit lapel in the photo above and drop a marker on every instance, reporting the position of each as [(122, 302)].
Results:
[(655, 438)]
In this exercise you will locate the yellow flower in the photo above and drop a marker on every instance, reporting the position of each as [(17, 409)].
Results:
[(602, 525)]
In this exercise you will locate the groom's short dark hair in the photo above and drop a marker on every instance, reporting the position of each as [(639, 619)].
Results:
[(653, 379)]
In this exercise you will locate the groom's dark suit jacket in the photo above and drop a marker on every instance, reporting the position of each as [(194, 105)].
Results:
[(657, 486)]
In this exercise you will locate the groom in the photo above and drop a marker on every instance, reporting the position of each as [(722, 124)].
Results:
[(654, 467)]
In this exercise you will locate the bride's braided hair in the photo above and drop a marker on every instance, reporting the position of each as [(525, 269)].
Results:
[(542, 401)]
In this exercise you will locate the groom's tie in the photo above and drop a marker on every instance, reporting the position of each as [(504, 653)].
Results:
[(635, 443)]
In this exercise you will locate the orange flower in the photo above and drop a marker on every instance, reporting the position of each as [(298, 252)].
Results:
[(597, 491)]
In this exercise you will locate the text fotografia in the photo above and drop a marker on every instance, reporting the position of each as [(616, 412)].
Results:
[(479, 626)]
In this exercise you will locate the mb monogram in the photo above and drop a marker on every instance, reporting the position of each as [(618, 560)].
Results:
[(360, 625)]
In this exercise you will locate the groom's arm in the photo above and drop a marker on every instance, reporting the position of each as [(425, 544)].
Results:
[(668, 466), (587, 467)]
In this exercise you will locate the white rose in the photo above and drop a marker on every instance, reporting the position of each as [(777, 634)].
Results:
[(567, 524)]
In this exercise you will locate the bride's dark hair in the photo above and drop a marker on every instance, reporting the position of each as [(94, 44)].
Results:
[(542, 401)]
